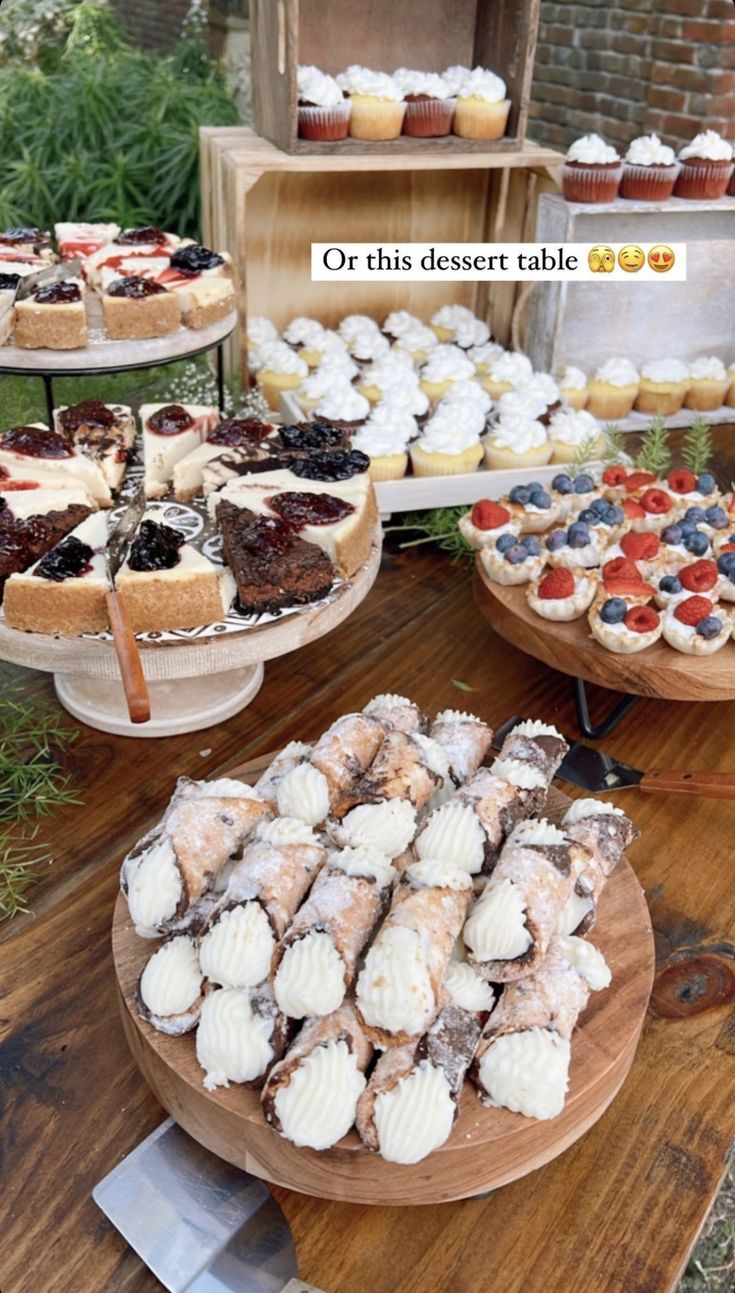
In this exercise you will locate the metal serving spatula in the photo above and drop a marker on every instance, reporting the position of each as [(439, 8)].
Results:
[(200, 1225), (596, 771), (126, 648), (48, 274)]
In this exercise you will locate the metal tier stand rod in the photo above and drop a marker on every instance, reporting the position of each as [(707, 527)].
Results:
[(596, 732)]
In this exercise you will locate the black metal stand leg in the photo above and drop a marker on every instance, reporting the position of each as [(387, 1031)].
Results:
[(48, 387), (221, 378), (583, 712)]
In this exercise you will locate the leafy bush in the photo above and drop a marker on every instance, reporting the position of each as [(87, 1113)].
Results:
[(98, 129)]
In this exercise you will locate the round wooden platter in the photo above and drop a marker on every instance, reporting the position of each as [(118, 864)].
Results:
[(487, 1148), (659, 671)]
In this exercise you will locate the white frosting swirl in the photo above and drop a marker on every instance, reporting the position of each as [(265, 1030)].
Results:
[(592, 151), (511, 366), (523, 402), (454, 834), (317, 87), (172, 979), (469, 391), (708, 367), (582, 808), (363, 80), (544, 384), (434, 754), (416, 339), (617, 372), (486, 354), (277, 357), (540, 832), (303, 331), (383, 441), (154, 886), (586, 958), (390, 417), (286, 830), (344, 403), (456, 716), (394, 990), (310, 979), (443, 433), (330, 345), (573, 379), (466, 988), (354, 324), (414, 1117), (236, 950), (447, 363), (364, 860), (388, 826), (535, 727), (436, 873), (483, 84), (527, 1072), (367, 345), (572, 426), (665, 370), (648, 150), (400, 321), (414, 82), (572, 914), (708, 145), (222, 788), (304, 793), (454, 76), (409, 398), (317, 1108), (449, 316), (470, 333), (495, 929), (326, 377), (233, 1042), (261, 329), (518, 433)]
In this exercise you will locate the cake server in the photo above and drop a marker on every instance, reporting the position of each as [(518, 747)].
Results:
[(49, 274), (199, 1224), (126, 648), (596, 771)]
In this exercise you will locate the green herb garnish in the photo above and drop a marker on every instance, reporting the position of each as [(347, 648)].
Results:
[(654, 453), (697, 446)]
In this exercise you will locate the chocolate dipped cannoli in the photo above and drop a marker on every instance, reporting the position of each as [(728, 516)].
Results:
[(241, 1034), (290, 757), (399, 989), (311, 1095), (604, 833), (170, 987), (398, 712), (263, 894), (537, 744), (522, 1060), (381, 811), (315, 962), (169, 876), (465, 740), (320, 781)]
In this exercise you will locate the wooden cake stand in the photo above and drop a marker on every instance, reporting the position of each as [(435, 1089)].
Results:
[(659, 672), (194, 682), (487, 1148)]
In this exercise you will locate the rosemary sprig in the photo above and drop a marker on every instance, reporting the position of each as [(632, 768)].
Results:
[(439, 525), (587, 453), (654, 453), (20, 859), (614, 450), (697, 446), (32, 781)]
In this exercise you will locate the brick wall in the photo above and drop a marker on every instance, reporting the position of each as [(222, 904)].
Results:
[(626, 67)]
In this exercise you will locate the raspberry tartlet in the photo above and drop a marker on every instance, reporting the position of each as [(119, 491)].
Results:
[(622, 628), (561, 594), (696, 626), (486, 522)]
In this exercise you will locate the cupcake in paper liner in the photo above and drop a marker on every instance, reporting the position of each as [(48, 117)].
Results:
[(281, 370), (506, 371), (384, 438), (517, 442), (482, 107), (730, 397), (563, 594), (706, 167), (573, 388), (417, 342), (344, 407), (450, 443), (592, 171), (622, 628), (569, 430), (650, 170), (612, 390), (663, 386), (429, 105), (483, 356), (377, 106), (324, 112), (709, 384), (448, 318), (446, 365)]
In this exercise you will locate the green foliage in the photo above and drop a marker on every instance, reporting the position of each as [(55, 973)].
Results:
[(439, 525), (586, 453), (614, 451), (654, 453), (697, 447), (107, 131)]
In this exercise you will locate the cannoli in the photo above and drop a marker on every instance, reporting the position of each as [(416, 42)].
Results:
[(315, 962), (538, 744), (290, 757), (169, 876), (240, 1034), (382, 808), (604, 832), (399, 990), (170, 987), (398, 712), (522, 1060), (263, 894), (310, 1097), (510, 927), (333, 767), (465, 740)]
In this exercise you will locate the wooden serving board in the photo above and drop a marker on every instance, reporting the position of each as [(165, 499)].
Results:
[(487, 1148), (659, 671)]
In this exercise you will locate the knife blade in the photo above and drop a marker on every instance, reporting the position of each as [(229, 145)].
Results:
[(49, 274), (118, 542)]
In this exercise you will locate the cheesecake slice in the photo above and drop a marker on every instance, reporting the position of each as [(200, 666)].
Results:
[(202, 279), (32, 521), (272, 566), (166, 584), (144, 241), (247, 437), (104, 432), (27, 241), (82, 238), (34, 453), (64, 592), (136, 309), (170, 432), (53, 317)]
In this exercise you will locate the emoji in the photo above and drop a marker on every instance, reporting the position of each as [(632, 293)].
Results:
[(601, 259), (631, 258), (661, 258)]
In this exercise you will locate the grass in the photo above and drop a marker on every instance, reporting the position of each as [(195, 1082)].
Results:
[(712, 1265)]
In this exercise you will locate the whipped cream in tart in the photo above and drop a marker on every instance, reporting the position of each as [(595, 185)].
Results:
[(619, 636), (170, 987)]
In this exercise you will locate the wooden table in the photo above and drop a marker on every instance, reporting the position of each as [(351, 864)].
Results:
[(617, 1213)]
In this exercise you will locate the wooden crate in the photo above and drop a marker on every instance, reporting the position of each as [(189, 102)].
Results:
[(266, 207), (385, 34)]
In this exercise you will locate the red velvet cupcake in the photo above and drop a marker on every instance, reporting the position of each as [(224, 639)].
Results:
[(592, 171), (706, 167), (324, 112)]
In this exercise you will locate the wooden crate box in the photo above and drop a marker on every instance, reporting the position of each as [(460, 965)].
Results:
[(429, 35), (266, 207)]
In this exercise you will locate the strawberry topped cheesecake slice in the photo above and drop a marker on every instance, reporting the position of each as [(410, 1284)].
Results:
[(170, 432), (80, 238), (128, 246), (486, 522), (697, 626), (562, 593), (104, 432), (624, 628), (136, 309), (34, 453)]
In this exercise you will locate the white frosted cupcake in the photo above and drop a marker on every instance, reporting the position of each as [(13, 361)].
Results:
[(569, 430), (384, 438), (305, 334), (323, 380), (354, 325), (469, 391), (417, 342), (470, 333), (446, 320), (324, 112), (449, 445), (454, 76), (592, 171), (483, 356), (259, 332), (327, 346), (730, 398), (386, 373), (506, 371), (367, 344), (573, 387), (408, 397), (517, 442), (482, 107), (398, 322), (343, 406), (446, 364), (706, 167), (709, 384), (281, 369), (522, 401), (613, 390), (376, 101), (650, 170), (563, 594), (663, 386), (429, 104)]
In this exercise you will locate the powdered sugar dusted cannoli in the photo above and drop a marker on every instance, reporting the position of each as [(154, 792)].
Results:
[(170, 987), (263, 894), (320, 781), (311, 1096), (465, 740), (169, 874), (397, 711), (316, 960), (537, 744), (240, 1034), (381, 811), (290, 757), (604, 833), (522, 1060), (399, 990), (510, 926)]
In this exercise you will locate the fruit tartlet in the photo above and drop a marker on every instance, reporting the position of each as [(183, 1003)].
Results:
[(726, 574), (619, 483), (670, 591), (640, 546), (607, 518), (579, 545), (686, 488), (696, 626), (574, 493), (622, 628), (653, 509), (514, 559), (710, 520), (561, 594), (680, 542), (486, 522), (532, 507), (620, 577), (724, 542)]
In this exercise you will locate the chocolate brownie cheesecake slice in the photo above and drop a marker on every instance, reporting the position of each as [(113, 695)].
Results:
[(272, 566), (30, 526)]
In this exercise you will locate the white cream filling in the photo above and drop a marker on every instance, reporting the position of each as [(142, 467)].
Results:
[(394, 990), (237, 949), (435, 873), (415, 1116), (155, 887), (519, 774), (283, 831), (310, 978), (534, 727), (582, 808), (318, 1106), (495, 929), (527, 1072), (232, 1041), (304, 793), (573, 913), (587, 959), (466, 988), (364, 861), (435, 756), (455, 835), (539, 832), (388, 826), (172, 979), (222, 788)]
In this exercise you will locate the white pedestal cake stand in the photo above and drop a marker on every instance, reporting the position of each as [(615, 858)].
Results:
[(193, 683)]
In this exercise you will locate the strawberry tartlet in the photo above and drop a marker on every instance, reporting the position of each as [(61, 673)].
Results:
[(561, 594)]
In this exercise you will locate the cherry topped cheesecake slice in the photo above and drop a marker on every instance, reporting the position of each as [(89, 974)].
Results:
[(166, 584), (170, 432), (53, 317), (34, 453), (138, 308), (32, 521), (104, 432), (202, 279), (245, 438), (142, 242), (26, 240), (64, 592)]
